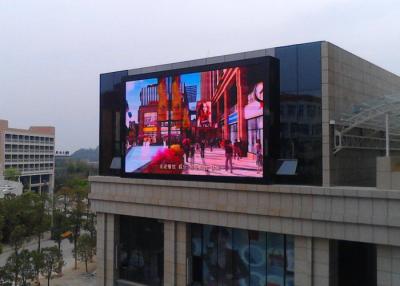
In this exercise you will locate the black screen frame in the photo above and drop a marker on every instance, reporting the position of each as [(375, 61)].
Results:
[(271, 122)]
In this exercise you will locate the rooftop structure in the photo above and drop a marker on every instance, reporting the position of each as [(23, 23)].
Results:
[(319, 210)]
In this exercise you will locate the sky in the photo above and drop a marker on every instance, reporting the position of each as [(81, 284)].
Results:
[(52, 52), (132, 96)]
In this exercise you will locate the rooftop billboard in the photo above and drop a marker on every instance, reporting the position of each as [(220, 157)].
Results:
[(211, 121)]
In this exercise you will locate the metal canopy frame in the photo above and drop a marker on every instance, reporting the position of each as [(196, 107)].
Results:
[(374, 125)]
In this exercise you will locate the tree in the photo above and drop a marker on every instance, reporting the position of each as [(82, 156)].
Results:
[(52, 258), (6, 276), (60, 226), (13, 267), (90, 225), (77, 198), (85, 249), (1, 224), (27, 271), (12, 174), (40, 218), (37, 263)]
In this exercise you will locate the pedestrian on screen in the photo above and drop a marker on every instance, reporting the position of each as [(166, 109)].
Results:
[(202, 148), (236, 150), (192, 152), (259, 156), (228, 155)]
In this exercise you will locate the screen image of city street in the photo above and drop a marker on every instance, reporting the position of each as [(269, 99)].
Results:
[(204, 123)]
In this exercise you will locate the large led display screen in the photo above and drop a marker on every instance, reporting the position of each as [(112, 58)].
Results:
[(205, 123)]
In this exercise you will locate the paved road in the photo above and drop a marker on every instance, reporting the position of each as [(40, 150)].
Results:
[(66, 247)]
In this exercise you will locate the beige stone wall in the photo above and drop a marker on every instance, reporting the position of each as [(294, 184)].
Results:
[(348, 80), (105, 249), (357, 214), (169, 252), (388, 264), (388, 173), (314, 215)]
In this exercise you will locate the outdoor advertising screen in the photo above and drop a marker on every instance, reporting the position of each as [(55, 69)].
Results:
[(202, 123)]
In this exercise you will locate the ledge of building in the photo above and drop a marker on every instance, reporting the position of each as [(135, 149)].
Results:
[(341, 191)]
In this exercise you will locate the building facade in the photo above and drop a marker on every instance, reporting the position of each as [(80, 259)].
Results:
[(332, 218), (31, 152)]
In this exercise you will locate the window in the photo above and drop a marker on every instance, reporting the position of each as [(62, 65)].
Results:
[(140, 250), (254, 133), (229, 256)]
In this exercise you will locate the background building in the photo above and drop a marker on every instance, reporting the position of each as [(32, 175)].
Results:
[(31, 152), (330, 218)]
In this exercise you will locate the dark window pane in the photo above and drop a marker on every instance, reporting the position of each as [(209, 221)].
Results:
[(289, 261), (301, 113), (241, 257), (140, 250), (309, 65), (288, 65), (196, 258), (257, 261), (275, 260), (111, 97)]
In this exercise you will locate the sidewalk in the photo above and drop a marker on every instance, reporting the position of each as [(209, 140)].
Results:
[(71, 277), (29, 243), (213, 164)]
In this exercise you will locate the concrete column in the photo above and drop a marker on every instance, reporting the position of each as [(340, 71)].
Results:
[(311, 261), (169, 252), (100, 249), (105, 250), (175, 253), (320, 261), (302, 261), (388, 265), (109, 249), (181, 254)]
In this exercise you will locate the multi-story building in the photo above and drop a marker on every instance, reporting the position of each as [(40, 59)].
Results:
[(330, 214), (31, 152)]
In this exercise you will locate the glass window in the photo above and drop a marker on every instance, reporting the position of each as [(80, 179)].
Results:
[(289, 281), (257, 258), (255, 132), (196, 258), (140, 250), (230, 256), (242, 256), (110, 104), (300, 82), (275, 259)]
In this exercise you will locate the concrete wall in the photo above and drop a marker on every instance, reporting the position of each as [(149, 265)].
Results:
[(388, 264), (348, 80), (312, 214), (388, 173)]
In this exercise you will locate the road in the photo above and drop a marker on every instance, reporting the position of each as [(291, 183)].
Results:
[(66, 248)]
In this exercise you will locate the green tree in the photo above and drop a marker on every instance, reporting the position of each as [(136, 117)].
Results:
[(52, 258), (18, 219), (6, 276), (13, 267), (78, 199), (90, 225), (61, 224), (40, 216), (1, 224), (37, 263), (27, 271), (85, 249), (12, 174)]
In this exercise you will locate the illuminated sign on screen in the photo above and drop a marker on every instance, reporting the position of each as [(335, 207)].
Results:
[(197, 123)]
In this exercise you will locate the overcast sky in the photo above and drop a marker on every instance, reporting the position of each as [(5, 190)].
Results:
[(52, 52)]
